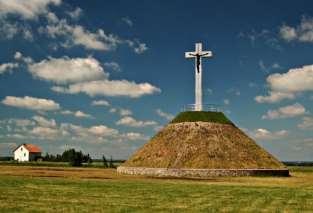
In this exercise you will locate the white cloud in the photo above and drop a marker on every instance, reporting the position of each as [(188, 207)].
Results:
[(264, 134), (75, 14), (234, 91), (100, 103), (102, 131), (132, 122), (113, 110), (7, 67), (46, 132), (68, 70), (78, 35), (288, 85), (31, 103), (301, 33), (285, 112), (288, 33), (133, 136), (78, 114), (274, 97), (252, 85), (21, 122), (10, 30), (137, 46), (306, 124), (109, 88), (127, 21), (52, 18), (19, 57), (165, 115), (125, 112), (268, 68), (44, 122), (226, 102), (29, 9), (141, 48), (112, 65)]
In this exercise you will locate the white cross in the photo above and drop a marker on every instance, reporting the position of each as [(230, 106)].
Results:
[(198, 54)]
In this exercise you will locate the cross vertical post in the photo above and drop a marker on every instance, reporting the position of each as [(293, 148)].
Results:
[(198, 54)]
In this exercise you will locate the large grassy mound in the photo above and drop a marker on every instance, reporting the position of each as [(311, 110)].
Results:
[(202, 140), (194, 116)]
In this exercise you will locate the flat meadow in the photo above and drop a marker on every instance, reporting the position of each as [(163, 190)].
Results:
[(68, 189)]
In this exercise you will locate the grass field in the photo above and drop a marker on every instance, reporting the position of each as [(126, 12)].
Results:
[(59, 189)]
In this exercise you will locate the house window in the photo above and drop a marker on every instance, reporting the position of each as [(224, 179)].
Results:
[(24, 154), (21, 148)]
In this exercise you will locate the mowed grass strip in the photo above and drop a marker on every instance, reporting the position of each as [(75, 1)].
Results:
[(28, 194)]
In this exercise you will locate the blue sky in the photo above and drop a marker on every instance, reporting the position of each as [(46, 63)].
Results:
[(103, 77)]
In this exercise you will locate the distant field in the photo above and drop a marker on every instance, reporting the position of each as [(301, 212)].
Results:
[(66, 189)]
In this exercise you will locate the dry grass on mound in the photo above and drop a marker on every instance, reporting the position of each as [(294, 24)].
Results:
[(202, 145)]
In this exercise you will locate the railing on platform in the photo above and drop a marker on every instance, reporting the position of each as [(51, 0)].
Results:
[(203, 107)]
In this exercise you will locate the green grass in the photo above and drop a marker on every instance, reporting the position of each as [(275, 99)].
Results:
[(193, 116), (28, 194)]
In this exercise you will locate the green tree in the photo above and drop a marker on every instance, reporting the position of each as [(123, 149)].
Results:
[(105, 163), (111, 165)]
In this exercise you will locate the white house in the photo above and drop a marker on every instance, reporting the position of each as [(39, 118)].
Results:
[(27, 152)]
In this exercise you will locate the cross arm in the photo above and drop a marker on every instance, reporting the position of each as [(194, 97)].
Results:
[(190, 54), (206, 54)]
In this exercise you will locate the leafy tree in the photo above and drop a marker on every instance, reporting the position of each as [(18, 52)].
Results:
[(105, 163), (111, 165)]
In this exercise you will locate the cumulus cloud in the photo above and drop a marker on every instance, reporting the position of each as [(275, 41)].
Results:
[(125, 112), (132, 136), (100, 103), (264, 134), (301, 33), (46, 132), (78, 114), (102, 131), (285, 112), (132, 122), (274, 97), (31, 103), (226, 101), (141, 48), (44, 122), (306, 124), (7, 67), (268, 68), (10, 30), (19, 57), (78, 35), (288, 85), (29, 9), (113, 65), (127, 21), (137, 46), (109, 88), (68, 70), (165, 115), (75, 14)]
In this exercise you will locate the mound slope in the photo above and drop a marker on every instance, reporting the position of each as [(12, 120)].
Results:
[(202, 140)]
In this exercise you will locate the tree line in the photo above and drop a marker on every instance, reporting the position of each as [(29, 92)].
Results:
[(76, 158)]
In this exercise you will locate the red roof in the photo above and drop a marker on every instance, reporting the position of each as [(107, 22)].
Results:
[(32, 148)]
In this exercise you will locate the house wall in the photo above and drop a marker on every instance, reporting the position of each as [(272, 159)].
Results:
[(21, 154)]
